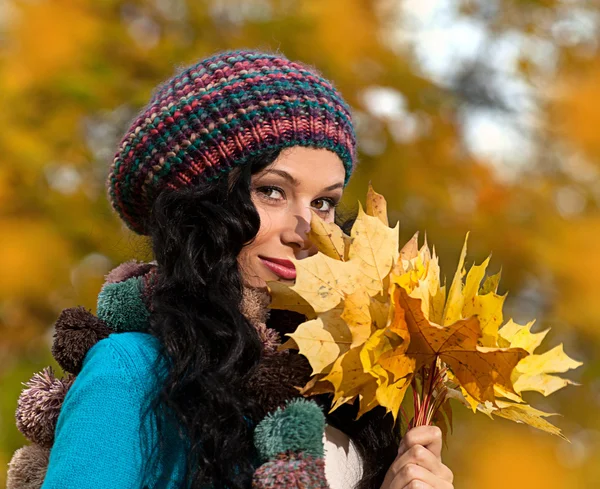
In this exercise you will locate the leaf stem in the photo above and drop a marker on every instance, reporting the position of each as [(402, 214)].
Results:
[(430, 397)]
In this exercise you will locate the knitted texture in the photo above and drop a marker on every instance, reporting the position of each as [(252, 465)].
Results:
[(297, 427), (216, 115), (291, 471)]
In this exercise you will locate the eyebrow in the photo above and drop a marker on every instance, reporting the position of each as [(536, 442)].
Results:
[(295, 182)]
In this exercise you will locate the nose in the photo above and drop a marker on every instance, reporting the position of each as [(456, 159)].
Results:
[(296, 233)]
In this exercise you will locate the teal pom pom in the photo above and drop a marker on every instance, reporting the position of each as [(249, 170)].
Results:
[(121, 307), (298, 427)]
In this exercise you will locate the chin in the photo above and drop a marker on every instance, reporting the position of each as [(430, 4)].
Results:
[(279, 279)]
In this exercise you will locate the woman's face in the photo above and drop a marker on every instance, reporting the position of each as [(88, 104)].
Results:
[(301, 180)]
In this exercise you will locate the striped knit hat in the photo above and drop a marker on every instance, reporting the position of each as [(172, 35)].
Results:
[(216, 115)]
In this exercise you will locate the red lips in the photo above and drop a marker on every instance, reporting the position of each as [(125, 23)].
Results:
[(282, 268)]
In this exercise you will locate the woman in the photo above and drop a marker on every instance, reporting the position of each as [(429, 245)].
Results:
[(221, 170)]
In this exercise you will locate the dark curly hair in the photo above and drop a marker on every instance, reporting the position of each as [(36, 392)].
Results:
[(197, 234)]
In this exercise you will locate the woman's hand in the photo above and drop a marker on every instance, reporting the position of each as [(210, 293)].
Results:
[(419, 462)]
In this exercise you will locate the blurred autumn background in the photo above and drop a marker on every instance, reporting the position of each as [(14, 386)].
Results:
[(477, 115)]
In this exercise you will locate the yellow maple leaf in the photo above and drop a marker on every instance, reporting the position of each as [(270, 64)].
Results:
[(488, 309), (388, 360), (517, 335), (427, 286), (380, 311), (490, 284), (323, 340), (473, 299), (523, 413), (532, 373), (390, 369), (461, 394), (316, 385), (471, 288), (373, 250), (367, 399), (323, 282), (500, 392), (455, 300), (391, 394), (409, 252), (374, 347), (486, 306), (328, 238), (283, 297), (409, 268), (348, 376), (357, 315), (384, 357), (376, 206)]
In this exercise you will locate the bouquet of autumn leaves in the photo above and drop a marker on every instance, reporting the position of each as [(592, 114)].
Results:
[(381, 324)]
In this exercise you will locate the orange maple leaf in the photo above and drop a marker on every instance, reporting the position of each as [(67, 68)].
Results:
[(477, 368)]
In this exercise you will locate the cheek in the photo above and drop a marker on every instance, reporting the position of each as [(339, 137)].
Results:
[(265, 243), (330, 217), (270, 224), (266, 234)]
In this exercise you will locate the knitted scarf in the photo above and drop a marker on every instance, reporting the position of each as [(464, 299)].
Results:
[(124, 304)]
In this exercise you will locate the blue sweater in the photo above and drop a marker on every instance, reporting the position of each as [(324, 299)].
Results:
[(99, 441)]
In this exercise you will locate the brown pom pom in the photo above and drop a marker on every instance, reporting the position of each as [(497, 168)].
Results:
[(28, 467), (76, 331), (127, 270), (149, 284), (279, 374), (255, 304), (39, 406), (276, 379), (255, 307), (268, 337)]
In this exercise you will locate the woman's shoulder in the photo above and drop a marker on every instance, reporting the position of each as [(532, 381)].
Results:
[(119, 379), (133, 360), (128, 347), (105, 431)]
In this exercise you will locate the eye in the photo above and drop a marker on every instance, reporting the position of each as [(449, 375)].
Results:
[(271, 193), (325, 205)]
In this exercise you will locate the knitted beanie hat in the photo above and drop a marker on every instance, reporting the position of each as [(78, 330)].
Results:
[(219, 113)]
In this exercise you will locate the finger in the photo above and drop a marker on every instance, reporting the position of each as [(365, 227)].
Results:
[(412, 473), (428, 436), (417, 485), (425, 458)]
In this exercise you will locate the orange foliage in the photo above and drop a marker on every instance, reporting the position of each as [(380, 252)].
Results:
[(46, 37), (506, 457), (577, 109), (35, 258)]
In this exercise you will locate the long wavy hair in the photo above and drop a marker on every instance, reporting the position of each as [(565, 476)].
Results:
[(197, 234)]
